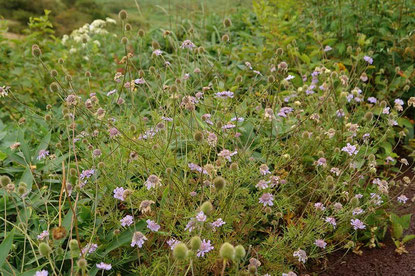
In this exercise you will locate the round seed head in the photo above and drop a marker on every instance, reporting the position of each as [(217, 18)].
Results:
[(195, 243), (44, 249), (180, 251), (227, 251), (239, 252)]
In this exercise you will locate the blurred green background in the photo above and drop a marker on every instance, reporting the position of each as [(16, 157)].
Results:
[(67, 15)]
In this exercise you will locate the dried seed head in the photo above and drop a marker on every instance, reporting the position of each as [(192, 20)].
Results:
[(123, 14), (225, 38), (22, 189), (36, 52), (59, 233), (128, 27), (219, 183), (227, 23), (53, 73), (5, 180), (54, 87), (198, 136), (124, 40), (155, 45), (234, 166), (141, 33), (87, 74)]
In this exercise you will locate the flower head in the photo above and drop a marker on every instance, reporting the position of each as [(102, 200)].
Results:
[(153, 226), (127, 221), (205, 247), (267, 199), (138, 239), (104, 266)]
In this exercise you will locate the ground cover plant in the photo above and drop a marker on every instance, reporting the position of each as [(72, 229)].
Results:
[(203, 150)]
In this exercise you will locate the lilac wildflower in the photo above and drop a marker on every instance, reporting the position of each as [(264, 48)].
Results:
[(43, 235), (320, 243), (350, 149), (319, 206), (152, 182), (187, 44), (224, 94), (153, 226), (112, 92), (172, 243), (139, 81), (190, 225), (357, 224), (372, 100), (42, 154), (218, 223), (138, 239), (104, 266), (284, 111), (127, 221), (266, 199), (331, 220), (205, 247), (201, 216), (368, 59), (262, 184), (402, 199), (119, 193), (227, 154), (301, 255), (89, 248), (42, 273)]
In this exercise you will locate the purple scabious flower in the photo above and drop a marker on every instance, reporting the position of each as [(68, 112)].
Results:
[(340, 113), (238, 119), (112, 92), (43, 235), (327, 48), (350, 149), (42, 273), (190, 225), (201, 216), (187, 44), (321, 162), (368, 59), (301, 255), (138, 239), (172, 243), (224, 94), (157, 52), (218, 223), (357, 224), (113, 132), (264, 169), (87, 173), (152, 182), (139, 81), (372, 100), (127, 221), (290, 77), (319, 206), (284, 111), (331, 221), (104, 266), (119, 193), (262, 184), (89, 248), (320, 243), (42, 154), (205, 247), (402, 199), (266, 199), (153, 226), (357, 211), (386, 110), (228, 126), (227, 154), (399, 102), (197, 168)]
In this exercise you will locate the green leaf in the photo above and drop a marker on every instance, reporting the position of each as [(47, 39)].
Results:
[(397, 231), (24, 147), (2, 156), (5, 247), (408, 238)]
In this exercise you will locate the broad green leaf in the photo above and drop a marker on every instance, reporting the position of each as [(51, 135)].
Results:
[(5, 247)]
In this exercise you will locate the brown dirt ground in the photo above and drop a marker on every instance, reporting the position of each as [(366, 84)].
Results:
[(377, 261)]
